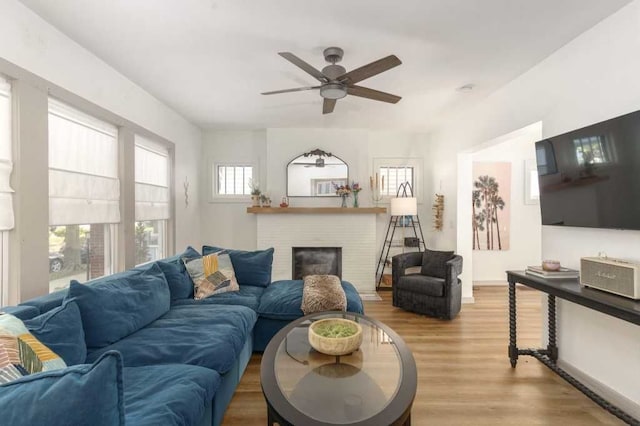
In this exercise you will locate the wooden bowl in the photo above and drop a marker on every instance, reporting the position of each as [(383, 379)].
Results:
[(335, 345)]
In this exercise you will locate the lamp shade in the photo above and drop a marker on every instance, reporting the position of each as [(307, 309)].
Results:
[(404, 206)]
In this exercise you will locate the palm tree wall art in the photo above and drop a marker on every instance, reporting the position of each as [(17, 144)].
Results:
[(490, 200)]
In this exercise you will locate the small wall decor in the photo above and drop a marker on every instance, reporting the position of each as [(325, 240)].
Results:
[(438, 212), (491, 204), (186, 191)]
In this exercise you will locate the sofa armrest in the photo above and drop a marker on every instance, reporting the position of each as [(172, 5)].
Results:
[(400, 262)]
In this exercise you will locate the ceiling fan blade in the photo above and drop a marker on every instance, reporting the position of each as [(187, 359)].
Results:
[(304, 66), (297, 89), (376, 95), (328, 105), (369, 70)]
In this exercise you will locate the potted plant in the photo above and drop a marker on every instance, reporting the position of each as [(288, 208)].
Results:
[(266, 200), (255, 193)]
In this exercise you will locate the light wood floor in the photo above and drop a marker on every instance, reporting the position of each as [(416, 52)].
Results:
[(464, 376)]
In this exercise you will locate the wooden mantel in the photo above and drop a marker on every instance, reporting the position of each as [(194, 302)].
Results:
[(317, 210)]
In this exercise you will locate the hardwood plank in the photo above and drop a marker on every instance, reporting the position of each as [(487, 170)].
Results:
[(464, 376)]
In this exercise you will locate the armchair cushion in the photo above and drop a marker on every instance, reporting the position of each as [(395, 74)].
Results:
[(422, 284), (434, 263)]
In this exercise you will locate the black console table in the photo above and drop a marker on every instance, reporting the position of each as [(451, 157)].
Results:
[(571, 290)]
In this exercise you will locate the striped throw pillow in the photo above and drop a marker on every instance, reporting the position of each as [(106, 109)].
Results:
[(21, 353)]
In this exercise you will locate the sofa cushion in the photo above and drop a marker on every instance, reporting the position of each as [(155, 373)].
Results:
[(180, 284), (84, 394), (248, 296), (434, 263), (252, 267), (48, 301), (117, 305), (211, 336), (282, 300), (21, 353), (22, 312), (170, 394), (61, 330), (212, 274), (422, 284)]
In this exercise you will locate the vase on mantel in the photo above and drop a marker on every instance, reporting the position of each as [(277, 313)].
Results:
[(344, 200), (355, 200)]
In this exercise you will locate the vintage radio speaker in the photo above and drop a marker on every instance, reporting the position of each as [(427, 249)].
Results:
[(612, 275)]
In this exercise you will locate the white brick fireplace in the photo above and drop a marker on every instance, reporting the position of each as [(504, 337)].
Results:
[(354, 232)]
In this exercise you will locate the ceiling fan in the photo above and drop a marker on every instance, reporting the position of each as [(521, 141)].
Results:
[(336, 82)]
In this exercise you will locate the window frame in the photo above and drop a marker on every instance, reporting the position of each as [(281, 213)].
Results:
[(415, 163), (8, 292), (153, 145), (96, 122), (214, 181), (5, 290), (530, 170)]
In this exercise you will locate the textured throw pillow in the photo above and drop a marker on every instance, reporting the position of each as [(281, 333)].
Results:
[(433, 263), (251, 267), (81, 395), (322, 293), (212, 274), (21, 353), (61, 331)]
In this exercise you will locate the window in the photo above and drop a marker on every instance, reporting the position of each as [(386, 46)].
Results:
[(393, 177), (152, 172), (531, 188), (6, 199), (591, 150), (232, 179), (84, 195)]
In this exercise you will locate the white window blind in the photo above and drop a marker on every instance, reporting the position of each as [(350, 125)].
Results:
[(6, 164), (152, 180), (83, 168)]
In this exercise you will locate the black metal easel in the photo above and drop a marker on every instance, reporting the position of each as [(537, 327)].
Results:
[(412, 222)]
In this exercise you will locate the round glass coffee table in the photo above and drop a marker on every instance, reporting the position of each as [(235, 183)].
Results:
[(374, 385)]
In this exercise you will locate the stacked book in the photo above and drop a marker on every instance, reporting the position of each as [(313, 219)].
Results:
[(562, 273)]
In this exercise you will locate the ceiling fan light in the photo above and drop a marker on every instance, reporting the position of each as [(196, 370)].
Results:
[(333, 91)]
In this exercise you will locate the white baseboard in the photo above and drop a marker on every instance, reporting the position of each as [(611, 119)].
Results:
[(489, 283), (603, 390), (370, 296), (466, 300)]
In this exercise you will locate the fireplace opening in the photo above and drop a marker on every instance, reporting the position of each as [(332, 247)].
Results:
[(316, 261)]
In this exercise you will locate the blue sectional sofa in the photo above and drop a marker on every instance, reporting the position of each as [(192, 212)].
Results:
[(175, 360)]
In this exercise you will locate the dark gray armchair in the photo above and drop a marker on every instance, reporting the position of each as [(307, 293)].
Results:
[(429, 295)]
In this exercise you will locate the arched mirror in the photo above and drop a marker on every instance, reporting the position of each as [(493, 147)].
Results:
[(314, 173)]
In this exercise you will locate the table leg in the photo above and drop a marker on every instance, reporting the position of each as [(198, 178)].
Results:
[(552, 347), (408, 421), (270, 419), (513, 349)]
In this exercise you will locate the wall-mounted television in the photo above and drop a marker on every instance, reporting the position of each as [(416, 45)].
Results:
[(590, 177)]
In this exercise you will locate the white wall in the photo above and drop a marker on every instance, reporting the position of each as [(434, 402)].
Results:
[(61, 65), (525, 230), (228, 224), (592, 78)]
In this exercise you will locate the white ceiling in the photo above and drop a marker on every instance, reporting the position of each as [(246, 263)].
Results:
[(210, 59)]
